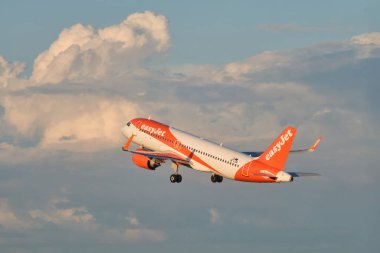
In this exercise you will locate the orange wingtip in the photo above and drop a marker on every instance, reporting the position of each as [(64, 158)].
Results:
[(316, 144)]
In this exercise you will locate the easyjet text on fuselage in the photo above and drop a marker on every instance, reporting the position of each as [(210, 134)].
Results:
[(153, 130)]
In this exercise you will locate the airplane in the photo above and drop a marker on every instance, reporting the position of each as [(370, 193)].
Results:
[(159, 143)]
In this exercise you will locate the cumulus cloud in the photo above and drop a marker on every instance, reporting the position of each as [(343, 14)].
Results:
[(321, 89), (84, 53), (9, 75), (65, 118), (267, 90), (66, 121)]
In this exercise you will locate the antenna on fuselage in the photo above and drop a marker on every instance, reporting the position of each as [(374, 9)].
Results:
[(149, 117)]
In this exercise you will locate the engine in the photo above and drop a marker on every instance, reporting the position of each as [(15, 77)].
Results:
[(144, 162)]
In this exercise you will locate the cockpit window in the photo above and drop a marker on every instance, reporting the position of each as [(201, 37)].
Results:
[(129, 123)]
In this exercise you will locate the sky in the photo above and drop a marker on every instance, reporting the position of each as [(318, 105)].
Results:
[(238, 72)]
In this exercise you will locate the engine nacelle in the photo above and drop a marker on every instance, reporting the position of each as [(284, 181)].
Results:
[(144, 162)]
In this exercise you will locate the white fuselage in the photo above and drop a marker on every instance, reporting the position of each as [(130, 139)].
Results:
[(204, 156)]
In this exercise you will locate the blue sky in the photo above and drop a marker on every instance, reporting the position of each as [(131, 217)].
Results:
[(29, 27), (238, 72)]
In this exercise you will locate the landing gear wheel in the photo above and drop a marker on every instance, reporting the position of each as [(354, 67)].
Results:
[(176, 178), (216, 178)]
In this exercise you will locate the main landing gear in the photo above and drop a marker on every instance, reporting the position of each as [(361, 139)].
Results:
[(216, 178), (176, 178)]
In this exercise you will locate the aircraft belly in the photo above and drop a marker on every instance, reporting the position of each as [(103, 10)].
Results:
[(224, 172), (200, 167)]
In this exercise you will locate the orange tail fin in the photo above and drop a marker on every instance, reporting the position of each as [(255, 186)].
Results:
[(277, 153)]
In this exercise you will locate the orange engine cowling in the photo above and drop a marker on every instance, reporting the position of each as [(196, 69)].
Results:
[(144, 162)]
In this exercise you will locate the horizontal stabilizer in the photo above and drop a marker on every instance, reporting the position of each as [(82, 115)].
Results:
[(302, 174), (311, 149)]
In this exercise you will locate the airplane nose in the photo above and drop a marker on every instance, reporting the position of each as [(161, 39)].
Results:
[(126, 131)]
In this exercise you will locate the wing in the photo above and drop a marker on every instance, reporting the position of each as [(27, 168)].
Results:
[(165, 155), (311, 149)]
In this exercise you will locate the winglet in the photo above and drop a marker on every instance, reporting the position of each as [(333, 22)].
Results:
[(315, 145), (126, 146)]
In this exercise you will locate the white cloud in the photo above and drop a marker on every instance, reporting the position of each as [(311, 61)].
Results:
[(144, 234), (68, 217), (234, 72), (135, 232), (9, 75), (255, 64), (367, 39), (247, 102), (59, 212), (264, 67), (9, 219), (321, 112), (367, 44), (79, 218), (85, 54), (67, 121), (78, 215), (259, 94), (214, 216), (132, 220)]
